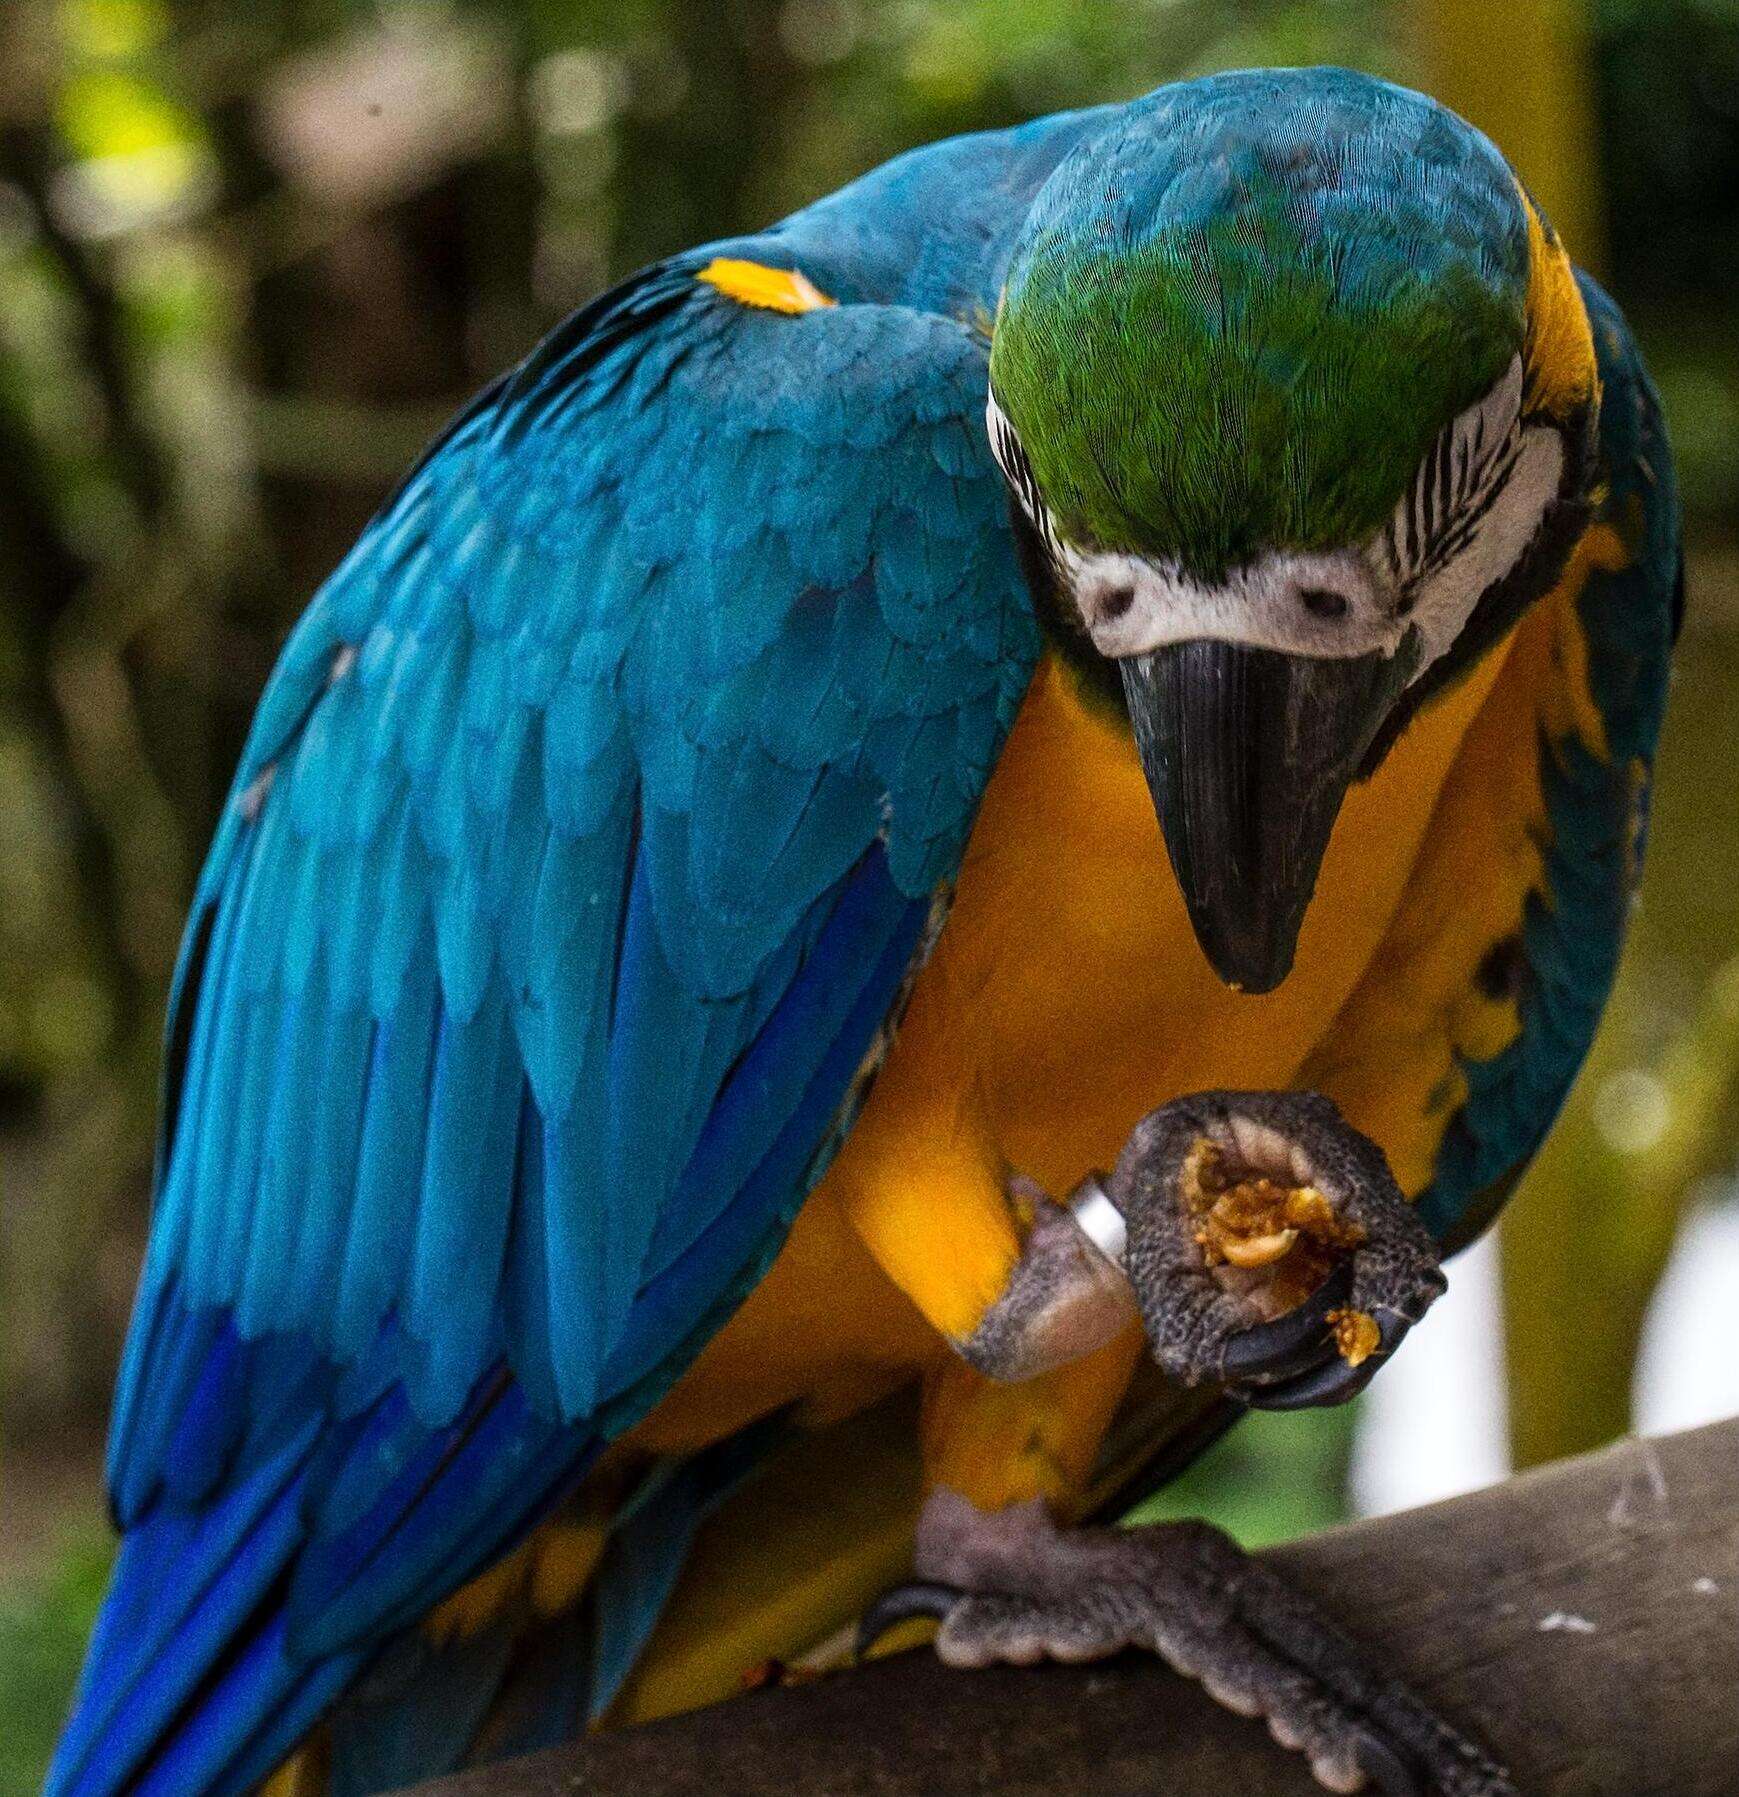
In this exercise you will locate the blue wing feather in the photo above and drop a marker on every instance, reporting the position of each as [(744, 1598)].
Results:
[(524, 1679), (419, 1704), (581, 844)]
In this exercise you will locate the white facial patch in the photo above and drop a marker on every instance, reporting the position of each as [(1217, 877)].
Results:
[(1324, 604), (1475, 505)]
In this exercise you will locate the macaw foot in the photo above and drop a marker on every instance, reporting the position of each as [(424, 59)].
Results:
[(1015, 1587), (1269, 1247)]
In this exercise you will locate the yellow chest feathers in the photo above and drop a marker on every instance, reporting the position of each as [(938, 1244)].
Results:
[(1067, 996), (1065, 999)]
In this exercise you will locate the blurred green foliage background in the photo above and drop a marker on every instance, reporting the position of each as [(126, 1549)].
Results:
[(253, 251)]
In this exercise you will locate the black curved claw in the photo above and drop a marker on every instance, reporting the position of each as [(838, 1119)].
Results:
[(1334, 1382), (1294, 1343), (900, 1603), (1385, 1768)]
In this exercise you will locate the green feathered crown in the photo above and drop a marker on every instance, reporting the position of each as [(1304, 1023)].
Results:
[(1239, 326)]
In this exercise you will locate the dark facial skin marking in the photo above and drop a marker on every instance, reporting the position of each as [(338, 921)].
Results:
[(1537, 572)]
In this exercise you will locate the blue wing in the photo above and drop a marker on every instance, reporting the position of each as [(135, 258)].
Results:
[(1597, 809), (584, 839)]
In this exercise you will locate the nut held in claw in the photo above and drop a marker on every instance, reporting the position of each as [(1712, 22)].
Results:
[(1257, 1222), (1356, 1335)]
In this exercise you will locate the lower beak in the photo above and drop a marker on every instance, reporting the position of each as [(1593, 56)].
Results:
[(1248, 754)]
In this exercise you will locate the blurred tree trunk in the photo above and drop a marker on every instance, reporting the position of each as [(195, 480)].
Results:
[(1588, 1236), (57, 1308), (1519, 70), (131, 654), (702, 135)]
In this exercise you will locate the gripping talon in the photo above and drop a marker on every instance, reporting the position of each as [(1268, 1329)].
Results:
[(1385, 1768), (1236, 1201), (1335, 1381), (1021, 1588), (1294, 1343), (1330, 1384), (927, 1598)]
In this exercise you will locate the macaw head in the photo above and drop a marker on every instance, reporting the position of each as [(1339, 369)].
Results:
[(1295, 395)]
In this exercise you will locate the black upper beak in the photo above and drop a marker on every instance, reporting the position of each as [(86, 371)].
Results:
[(1248, 754)]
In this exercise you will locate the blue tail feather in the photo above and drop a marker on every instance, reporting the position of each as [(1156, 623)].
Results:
[(184, 1586)]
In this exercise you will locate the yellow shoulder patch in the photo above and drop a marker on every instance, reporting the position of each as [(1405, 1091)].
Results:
[(754, 284), (1561, 369)]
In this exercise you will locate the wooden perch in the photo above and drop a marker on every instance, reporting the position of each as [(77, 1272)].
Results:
[(1582, 1620)]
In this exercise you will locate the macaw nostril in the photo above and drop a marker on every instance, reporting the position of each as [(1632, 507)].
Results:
[(1114, 602)]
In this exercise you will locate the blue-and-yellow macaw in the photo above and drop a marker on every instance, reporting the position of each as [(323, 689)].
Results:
[(801, 768)]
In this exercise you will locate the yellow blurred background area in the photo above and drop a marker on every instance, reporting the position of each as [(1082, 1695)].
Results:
[(253, 252)]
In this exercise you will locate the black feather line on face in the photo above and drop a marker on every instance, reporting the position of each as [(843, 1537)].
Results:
[(1024, 487), (1456, 487), (1535, 573), (1043, 565), (1473, 505), (1053, 605)]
